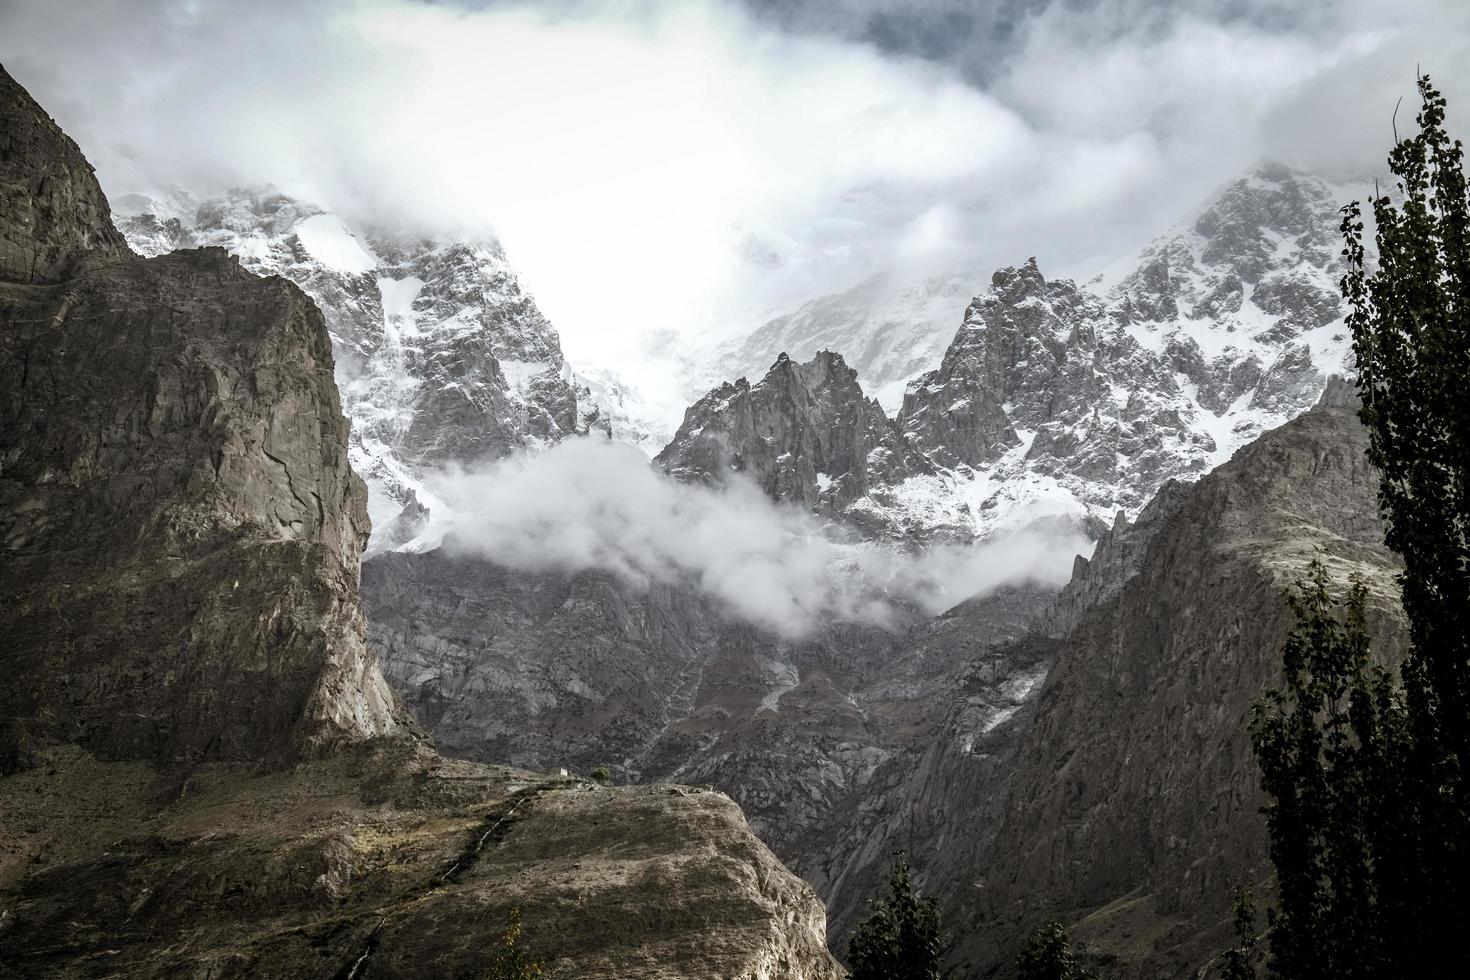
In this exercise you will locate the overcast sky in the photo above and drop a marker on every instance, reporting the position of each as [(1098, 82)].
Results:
[(634, 155)]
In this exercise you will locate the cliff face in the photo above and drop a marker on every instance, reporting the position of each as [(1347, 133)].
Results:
[(805, 433), (183, 644), (392, 864), (443, 356), (1122, 797), (657, 682), (180, 523), (51, 208)]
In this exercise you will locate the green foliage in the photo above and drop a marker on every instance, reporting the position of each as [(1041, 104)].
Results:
[(901, 939), (511, 961), (1048, 956), (1409, 322), (1368, 814), (1411, 334), (1331, 748), (601, 774)]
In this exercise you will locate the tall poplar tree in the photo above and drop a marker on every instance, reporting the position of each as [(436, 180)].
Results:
[(1368, 814)]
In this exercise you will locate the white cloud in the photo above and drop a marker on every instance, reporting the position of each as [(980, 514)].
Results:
[(624, 150), (591, 505)]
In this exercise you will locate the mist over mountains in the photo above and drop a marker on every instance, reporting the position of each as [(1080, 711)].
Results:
[(633, 468), (748, 158)]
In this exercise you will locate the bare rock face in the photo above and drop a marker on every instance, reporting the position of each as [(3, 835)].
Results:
[(1014, 340), (174, 467), (1114, 560), (1122, 796), (656, 682), (442, 355), (1060, 403), (392, 864), (51, 208), (805, 434), (1166, 672)]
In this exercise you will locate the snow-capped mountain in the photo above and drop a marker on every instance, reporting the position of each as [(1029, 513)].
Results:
[(442, 355), (888, 328), (1055, 401), (1064, 403)]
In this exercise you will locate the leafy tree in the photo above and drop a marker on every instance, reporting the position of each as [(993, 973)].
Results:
[(1411, 332), (511, 960), (901, 939), (1048, 956), (1331, 747), (1368, 813), (1238, 964)]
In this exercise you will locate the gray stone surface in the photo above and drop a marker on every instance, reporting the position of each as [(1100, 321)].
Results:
[(1122, 797), (180, 524), (805, 434), (51, 209), (443, 357)]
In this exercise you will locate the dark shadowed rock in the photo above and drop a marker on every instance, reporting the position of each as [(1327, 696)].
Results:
[(51, 209), (1122, 797), (656, 681), (804, 433), (175, 467)]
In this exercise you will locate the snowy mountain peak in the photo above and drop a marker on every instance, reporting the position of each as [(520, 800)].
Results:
[(442, 354), (1060, 403)]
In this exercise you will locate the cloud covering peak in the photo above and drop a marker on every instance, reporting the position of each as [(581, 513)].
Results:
[(634, 156), (586, 505)]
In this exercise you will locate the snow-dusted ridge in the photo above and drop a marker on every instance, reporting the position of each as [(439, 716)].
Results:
[(1054, 403), (442, 355), (1062, 404)]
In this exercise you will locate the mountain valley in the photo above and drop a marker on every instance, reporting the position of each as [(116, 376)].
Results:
[(274, 715)]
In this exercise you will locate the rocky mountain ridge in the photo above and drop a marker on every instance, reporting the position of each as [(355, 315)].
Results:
[(804, 433), (442, 355), (1056, 405), (1082, 755), (202, 770), (1063, 403), (1055, 401), (1122, 796)]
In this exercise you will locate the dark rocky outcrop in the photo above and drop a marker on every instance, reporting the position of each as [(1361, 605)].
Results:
[(174, 468), (804, 433), (1115, 559), (655, 681), (389, 862), (51, 209), (1014, 340), (1122, 797)]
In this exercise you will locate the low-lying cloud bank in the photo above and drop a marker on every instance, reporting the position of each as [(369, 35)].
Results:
[(589, 505)]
